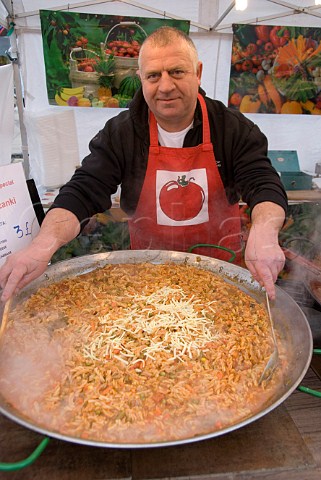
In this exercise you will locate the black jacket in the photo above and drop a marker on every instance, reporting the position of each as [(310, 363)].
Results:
[(119, 155)]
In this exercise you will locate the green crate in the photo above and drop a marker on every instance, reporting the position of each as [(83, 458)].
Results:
[(286, 163)]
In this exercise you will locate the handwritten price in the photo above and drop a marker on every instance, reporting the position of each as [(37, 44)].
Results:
[(22, 231)]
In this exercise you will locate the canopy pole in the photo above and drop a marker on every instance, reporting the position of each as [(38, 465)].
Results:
[(14, 58)]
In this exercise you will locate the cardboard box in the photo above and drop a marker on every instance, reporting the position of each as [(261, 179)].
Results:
[(286, 163)]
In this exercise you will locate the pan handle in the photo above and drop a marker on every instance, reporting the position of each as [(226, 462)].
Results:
[(310, 391), (9, 467)]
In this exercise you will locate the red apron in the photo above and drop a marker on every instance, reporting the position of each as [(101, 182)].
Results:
[(183, 201)]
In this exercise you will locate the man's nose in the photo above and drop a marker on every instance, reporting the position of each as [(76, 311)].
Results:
[(166, 82)]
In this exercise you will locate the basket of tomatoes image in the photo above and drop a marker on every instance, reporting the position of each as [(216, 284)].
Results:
[(124, 41), (83, 69)]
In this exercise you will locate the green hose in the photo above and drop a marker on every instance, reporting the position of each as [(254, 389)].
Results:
[(9, 467), (233, 254), (310, 391)]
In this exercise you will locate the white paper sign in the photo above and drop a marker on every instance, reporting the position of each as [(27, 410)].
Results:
[(18, 221)]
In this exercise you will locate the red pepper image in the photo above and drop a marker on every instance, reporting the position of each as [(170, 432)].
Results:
[(274, 37), (263, 33)]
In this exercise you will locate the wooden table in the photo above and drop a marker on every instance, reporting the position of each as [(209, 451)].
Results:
[(285, 444), (304, 195)]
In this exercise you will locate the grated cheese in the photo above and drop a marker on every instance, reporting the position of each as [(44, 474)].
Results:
[(165, 320)]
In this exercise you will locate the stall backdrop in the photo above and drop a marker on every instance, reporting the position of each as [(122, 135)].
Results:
[(56, 139)]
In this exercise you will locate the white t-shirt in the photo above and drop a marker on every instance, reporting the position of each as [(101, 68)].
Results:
[(172, 139)]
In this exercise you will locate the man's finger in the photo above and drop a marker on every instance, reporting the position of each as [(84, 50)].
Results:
[(13, 280)]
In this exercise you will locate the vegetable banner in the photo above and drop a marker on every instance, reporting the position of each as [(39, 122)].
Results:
[(91, 60), (275, 69)]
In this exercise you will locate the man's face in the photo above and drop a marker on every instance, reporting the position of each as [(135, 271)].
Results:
[(170, 84)]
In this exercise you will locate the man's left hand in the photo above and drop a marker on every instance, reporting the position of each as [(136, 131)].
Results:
[(264, 260), (263, 255)]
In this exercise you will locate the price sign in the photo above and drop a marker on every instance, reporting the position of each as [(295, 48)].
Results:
[(18, 221)]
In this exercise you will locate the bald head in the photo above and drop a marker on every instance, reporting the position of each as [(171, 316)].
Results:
[(165, 36)]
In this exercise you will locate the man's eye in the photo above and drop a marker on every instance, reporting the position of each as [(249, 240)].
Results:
[(177, 73), (153, 77)]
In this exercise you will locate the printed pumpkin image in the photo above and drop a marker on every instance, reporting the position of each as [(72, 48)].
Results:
[(181, 199), (297, 75)]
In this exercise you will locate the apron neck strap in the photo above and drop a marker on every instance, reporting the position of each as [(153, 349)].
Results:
[(206, 124), (153, 132)]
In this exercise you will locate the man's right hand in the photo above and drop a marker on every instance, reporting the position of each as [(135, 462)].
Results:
[(58, 228), (20, 269)]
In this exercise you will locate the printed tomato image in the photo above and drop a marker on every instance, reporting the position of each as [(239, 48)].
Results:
[(181, 199)]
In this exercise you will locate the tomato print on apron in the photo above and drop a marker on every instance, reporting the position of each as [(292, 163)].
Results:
[(183, 202)]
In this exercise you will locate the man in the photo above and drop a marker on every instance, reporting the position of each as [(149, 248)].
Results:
[(183, 161)]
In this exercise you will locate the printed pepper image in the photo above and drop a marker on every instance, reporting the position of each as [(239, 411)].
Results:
[(250, 104)]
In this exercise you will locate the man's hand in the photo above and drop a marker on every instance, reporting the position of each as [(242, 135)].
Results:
[(263, 256), (58, 228), (20, 269)]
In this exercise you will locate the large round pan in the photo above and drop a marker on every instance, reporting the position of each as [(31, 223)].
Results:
[(290, 322)]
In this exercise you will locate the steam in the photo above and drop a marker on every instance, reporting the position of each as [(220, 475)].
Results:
[(32, 361)]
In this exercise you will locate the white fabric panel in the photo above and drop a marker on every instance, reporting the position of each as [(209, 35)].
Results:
[(3, 16), (33, 71), (208, 50), (88, 123), (53, 146), (293, 132), (4, 8), (6, 113)]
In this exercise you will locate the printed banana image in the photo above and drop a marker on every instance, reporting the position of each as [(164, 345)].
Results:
[(60, 101), (73, 91), (65, 93), (65, 96)]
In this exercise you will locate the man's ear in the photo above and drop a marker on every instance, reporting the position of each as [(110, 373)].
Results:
[(138, 73), (199, 71)]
